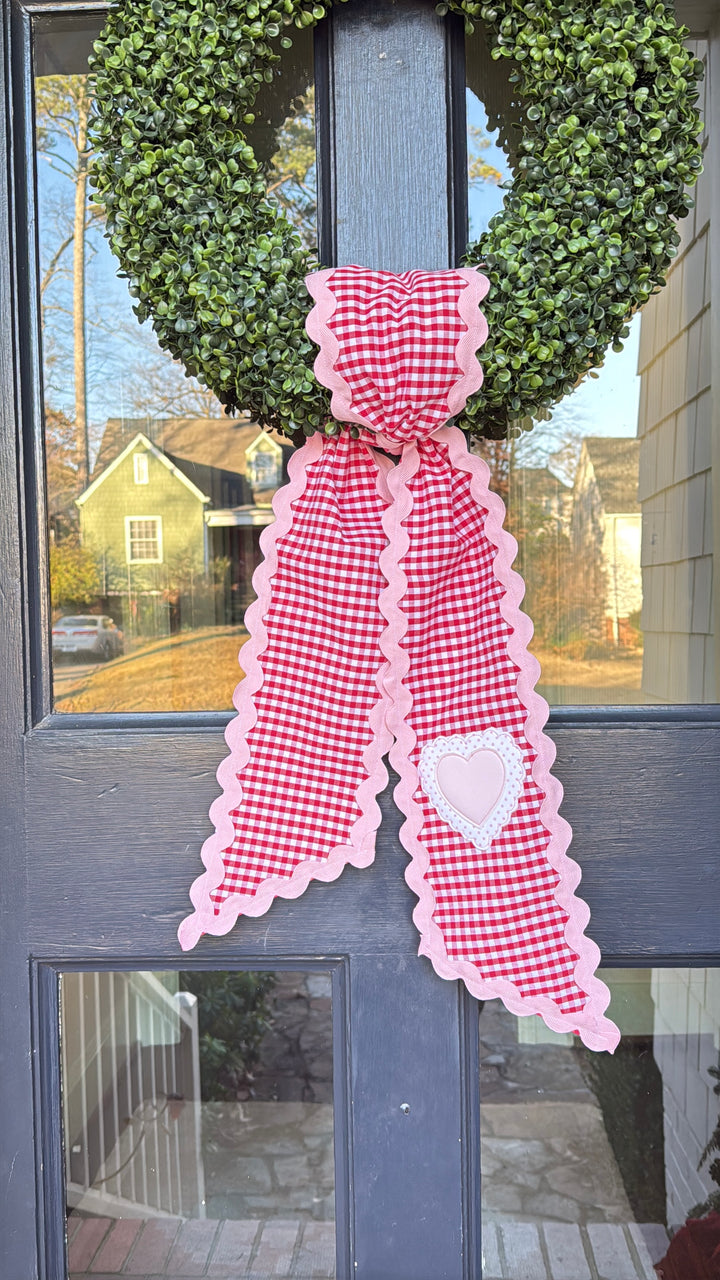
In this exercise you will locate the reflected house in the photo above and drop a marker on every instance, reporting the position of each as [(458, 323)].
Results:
[(173, 515), (686, 1043), (607, 525), (540, 498), (678, 428)]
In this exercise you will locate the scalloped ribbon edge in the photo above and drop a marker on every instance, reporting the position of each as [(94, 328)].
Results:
[(595, 1030), (360, 850)]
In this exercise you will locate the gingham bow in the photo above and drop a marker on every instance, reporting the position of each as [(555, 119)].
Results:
[(388, 622)]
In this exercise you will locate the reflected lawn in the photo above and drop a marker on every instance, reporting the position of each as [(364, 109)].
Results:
[(611, 680), (193, 671), (197, 671)]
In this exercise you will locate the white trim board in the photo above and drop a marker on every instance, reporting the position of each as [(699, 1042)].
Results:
[(143, 440)]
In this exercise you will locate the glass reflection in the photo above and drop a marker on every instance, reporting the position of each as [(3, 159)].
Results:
[(605, 1166), (610, 500), (493, 114), (156, 499), (198, 1124)]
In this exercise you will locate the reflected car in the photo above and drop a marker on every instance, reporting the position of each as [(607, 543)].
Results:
[(90, 635)]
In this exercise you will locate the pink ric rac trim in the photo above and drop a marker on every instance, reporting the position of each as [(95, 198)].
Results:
[(360, 851), (475, 337), (596, 1031), (319, 330), (318, 327)]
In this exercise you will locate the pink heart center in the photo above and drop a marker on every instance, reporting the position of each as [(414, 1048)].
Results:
[(472, 787)]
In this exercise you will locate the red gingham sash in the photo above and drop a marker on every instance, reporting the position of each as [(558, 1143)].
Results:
[(388, 622)]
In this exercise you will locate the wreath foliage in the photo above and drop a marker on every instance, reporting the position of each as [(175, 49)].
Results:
[(608, 148)]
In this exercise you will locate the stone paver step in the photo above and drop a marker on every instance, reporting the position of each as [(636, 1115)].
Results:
[(563, 1251)]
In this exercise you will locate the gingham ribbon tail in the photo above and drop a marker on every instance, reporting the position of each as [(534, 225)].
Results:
[(388, 622)]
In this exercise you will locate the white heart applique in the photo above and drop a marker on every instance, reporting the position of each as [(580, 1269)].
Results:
[(474, 782)]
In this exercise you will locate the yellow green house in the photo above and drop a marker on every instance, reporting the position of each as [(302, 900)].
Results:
[(173, 515)]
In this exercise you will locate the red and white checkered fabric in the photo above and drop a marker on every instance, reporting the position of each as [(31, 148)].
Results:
[(495, 909), (397, 338), (388, 619)]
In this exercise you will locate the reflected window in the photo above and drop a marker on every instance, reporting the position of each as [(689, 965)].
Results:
[(140, 468), (597, 1164), (610, 500), (120, 416), (144, 540), (198, 1124), (263, 470), (264, 464)]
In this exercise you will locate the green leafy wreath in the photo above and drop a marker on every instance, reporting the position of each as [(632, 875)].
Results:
[(607, 150)]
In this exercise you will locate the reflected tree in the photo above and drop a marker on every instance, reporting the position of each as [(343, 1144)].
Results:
[(62, 106), (479, 171), (292, 180), (565, 586), (63, 483), (81, 337)]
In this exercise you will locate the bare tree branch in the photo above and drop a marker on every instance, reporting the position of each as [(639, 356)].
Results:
[(53, 263)]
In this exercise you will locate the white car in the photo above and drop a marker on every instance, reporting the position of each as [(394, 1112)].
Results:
[(93, 635)]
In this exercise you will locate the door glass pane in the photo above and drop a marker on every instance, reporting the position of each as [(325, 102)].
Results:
[(156, 499), (599, 1165), (198, 1124), (611, 500)]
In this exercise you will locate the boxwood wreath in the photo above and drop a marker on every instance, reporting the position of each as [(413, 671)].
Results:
[(607, 151)]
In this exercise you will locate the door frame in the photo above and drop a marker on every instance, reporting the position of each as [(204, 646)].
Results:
[(646, 839)]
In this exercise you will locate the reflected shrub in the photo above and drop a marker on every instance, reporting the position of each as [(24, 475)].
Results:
[(628, 1087), (233, 1016), (74, 576)]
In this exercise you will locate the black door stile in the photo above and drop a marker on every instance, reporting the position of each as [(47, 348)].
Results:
[(18, 1230)]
